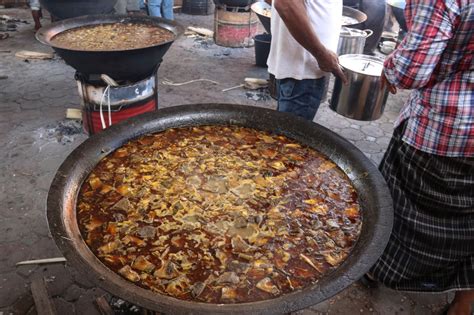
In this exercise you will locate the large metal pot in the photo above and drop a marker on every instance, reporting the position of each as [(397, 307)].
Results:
[(362, 98), (131, 64), (374, 198), (352, 41)]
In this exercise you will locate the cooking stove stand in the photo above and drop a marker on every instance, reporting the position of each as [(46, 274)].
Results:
[(89, 84)]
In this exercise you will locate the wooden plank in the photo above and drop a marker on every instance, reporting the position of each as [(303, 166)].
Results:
[(44, 305), (74, 113), (104, 306)]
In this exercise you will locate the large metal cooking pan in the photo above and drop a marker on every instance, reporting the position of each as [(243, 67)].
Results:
[(373, 195), (66, 9), (132, 64)]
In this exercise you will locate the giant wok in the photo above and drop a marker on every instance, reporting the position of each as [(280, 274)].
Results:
[(374, 199)]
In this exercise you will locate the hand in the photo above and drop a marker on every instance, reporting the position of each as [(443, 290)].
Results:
[(384, 82), (329, 62)]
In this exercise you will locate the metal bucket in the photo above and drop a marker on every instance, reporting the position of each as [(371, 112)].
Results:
[(362, 98), (234, 28), (352, 41)]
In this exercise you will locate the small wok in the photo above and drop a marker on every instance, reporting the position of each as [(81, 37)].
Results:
[(360, 16), (374, 198), (131, 64), (258, 8)]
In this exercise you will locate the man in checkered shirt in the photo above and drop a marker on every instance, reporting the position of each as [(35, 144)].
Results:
[(429, 164)]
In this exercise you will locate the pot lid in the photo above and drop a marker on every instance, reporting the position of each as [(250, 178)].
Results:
[(363, 64), (352, 32)]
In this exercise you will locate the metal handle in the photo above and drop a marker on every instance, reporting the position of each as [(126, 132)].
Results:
[(368, 33)]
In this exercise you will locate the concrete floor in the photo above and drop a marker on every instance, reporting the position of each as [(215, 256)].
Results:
[(35, 138)]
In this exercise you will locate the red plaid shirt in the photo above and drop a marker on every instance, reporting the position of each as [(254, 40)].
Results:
[(436, 60)]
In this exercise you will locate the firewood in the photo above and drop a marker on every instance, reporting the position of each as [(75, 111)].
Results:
[(25, 54), (44, 305), (201, 31)]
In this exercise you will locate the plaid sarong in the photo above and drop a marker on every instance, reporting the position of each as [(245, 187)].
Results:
[(431, 247)]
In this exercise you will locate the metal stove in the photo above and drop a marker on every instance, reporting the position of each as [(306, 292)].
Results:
[(234, 26), (104, 105)]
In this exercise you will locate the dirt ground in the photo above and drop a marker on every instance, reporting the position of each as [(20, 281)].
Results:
[(35, 138)]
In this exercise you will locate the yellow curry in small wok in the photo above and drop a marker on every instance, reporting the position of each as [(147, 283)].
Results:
[(219, 214)]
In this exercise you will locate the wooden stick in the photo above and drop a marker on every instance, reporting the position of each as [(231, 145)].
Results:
[(44, 305), (201, 31), (104, 306), (41, 261), (25, 54), (233, 88)]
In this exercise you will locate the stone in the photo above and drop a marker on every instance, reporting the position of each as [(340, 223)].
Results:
[(58, 278), (14, 285), (373, 131), (73, 293), (368, 146), (80, 279), (26, 271), (85, 304), (63, 307), (352, 134), (383, 141)]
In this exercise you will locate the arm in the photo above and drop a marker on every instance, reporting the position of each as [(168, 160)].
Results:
[(294, 15), (412, 64)]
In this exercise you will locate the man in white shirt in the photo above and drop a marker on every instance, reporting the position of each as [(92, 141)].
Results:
[(305, 34)]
